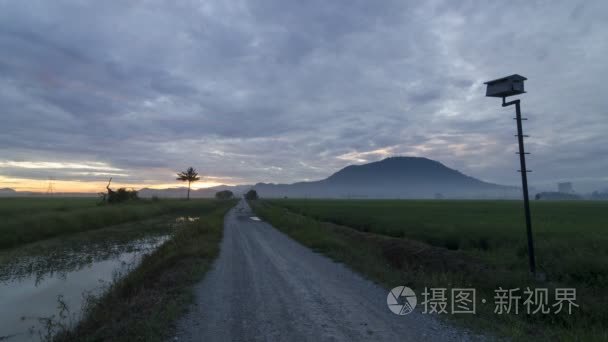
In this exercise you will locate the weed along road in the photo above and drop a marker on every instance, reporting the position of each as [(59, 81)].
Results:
[(265, 286)]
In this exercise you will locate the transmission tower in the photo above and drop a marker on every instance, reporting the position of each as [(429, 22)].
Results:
[(50, 188)]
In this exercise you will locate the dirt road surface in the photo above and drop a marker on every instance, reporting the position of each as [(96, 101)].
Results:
[(264, 286)]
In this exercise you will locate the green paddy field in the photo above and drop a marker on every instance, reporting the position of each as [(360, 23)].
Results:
[(480, 244), (29, 219), (434, 243)]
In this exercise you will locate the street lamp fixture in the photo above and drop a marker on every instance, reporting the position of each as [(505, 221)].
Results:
[(504, 87)]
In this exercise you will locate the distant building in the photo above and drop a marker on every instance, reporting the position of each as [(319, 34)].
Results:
[(565, 188)]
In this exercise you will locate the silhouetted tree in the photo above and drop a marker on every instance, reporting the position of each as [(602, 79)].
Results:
[(251, 195), (190, 175), (118, 196), (224, 195)]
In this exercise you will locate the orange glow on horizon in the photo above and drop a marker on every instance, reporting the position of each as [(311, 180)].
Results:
[(75, 186)]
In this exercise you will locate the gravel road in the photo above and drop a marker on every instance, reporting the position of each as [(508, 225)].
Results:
[(264, 286)]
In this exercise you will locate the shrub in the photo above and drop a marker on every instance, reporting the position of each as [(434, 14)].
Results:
[(224, 195), (251, 195)]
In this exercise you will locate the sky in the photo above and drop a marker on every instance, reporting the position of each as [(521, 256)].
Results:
[(284, 90)]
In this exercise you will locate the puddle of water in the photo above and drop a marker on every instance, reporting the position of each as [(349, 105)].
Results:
[(30, 285), (255, 218), (182, 219)]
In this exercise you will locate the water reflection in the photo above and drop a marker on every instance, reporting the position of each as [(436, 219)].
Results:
[(30, 284), (183, 219), (59, 262)]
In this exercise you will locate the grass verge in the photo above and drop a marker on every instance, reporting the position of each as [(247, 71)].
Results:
[(143, 305), (393, 261)]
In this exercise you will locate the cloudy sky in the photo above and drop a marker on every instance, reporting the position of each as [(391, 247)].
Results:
[(282, 90)]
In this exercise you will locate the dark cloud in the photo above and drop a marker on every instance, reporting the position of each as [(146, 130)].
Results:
[(281, 91)]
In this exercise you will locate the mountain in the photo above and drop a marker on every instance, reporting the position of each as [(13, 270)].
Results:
[(397, 177)]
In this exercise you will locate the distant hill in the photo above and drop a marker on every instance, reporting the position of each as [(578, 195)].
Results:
[(557, 196), (7, 191), (397, 177), (180, 192)]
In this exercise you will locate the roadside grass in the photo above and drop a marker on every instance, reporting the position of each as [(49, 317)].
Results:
[(414, 243), (26, 220), (143, 305)]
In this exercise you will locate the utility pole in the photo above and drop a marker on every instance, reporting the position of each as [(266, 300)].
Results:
[(504, 87), (50, 188), (524, 180)]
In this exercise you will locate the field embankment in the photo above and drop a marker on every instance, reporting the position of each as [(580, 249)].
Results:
[(479, 244), (25, 220), (144, 304)]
